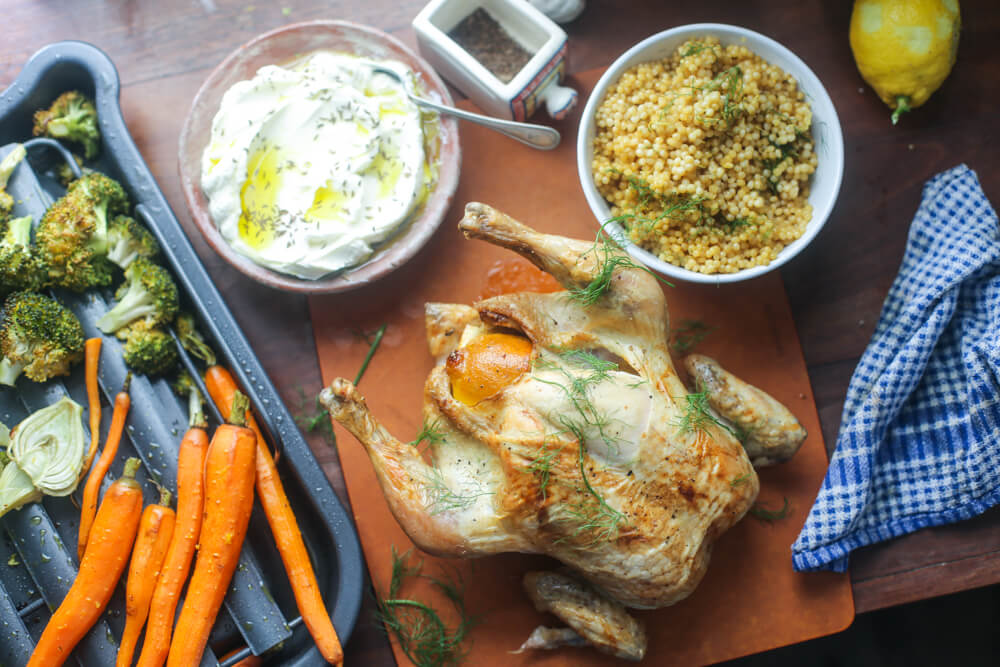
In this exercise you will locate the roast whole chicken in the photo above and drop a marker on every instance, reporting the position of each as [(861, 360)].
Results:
[(557, 424)]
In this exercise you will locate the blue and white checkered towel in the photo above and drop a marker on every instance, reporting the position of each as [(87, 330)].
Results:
[(919, 441)]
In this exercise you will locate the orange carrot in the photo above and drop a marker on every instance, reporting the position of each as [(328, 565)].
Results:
[(229, 476), (249, 661), (92, 356), (110, 544), (221, 386), (93, 486), (155, 530), (190, 504)]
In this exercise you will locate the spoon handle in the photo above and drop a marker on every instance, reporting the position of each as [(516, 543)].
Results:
[(538, 136)]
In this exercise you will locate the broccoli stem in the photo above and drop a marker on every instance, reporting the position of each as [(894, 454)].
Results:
[(136, 303), (19, 231), (196, 412), (10, 161), (10, 371)]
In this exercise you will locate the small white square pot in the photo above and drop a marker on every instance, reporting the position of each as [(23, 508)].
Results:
[(538, 81)]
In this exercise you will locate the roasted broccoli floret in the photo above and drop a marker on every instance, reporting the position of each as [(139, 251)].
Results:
[(20, 266), (72, 236), (72, 116), (103, 197), (7, 166), (192, 340), (129, 240), (65, 175), (39, 337), (6, 204), (148, 296), (149, 350)]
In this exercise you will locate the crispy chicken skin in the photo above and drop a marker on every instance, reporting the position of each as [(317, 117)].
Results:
[(585, 457), (771, 433), (593, 618)]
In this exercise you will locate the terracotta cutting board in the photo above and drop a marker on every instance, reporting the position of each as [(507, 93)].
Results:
[(751, 600)]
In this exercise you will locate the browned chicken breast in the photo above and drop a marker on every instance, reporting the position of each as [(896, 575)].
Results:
[(557, 424)]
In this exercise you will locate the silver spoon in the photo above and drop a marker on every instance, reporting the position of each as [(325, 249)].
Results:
[(536, 136)]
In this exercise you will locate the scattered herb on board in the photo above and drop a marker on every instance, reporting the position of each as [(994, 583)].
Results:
[(762, 513), (373, 346), (422, 634), (312, 417), (486, 40), (688, 334)]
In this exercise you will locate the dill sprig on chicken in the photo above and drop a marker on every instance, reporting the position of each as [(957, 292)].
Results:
[(610, 256), (443, 498), (577, 386), (594, 516), (430, 432), (422, 634), (696, 415), (742, 479), (541, 465)]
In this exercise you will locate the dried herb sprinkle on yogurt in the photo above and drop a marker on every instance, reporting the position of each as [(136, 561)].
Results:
[(310, 166)]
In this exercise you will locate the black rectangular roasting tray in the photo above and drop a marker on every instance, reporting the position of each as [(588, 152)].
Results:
[(37, 563)]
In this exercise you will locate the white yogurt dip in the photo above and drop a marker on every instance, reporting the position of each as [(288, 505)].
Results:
[(310, 166)]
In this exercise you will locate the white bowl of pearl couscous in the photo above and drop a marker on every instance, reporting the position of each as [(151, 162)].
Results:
[(712, 152)]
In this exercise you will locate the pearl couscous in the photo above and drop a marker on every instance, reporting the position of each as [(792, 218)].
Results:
[(705, 157)]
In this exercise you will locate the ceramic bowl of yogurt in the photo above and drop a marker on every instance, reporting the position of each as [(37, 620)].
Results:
[(307, 169)]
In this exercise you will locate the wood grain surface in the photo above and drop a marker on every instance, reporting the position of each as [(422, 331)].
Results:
[(163, 49)]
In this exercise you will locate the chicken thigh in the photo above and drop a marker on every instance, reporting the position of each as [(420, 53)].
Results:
[(557, 424)]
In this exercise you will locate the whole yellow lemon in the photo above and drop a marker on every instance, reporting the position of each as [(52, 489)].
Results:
[(904, 49)]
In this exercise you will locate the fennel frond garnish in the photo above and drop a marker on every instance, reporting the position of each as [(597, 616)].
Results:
[(762, 513), (541, 465), (742, 479), (610, 256), (422, 634), (594, 516), (696, 415), (430, 433), (313, 417), (442, 498), (688, 334), (376, 339)]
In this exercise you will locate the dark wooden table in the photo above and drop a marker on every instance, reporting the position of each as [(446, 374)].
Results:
[(164, 49)]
